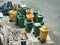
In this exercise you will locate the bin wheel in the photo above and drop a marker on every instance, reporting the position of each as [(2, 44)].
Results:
[(35, 36), (10, 21), (43, 41), (33, 32), (38, 38)]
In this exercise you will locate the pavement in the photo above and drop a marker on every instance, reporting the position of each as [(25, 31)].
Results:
[(50, 9)]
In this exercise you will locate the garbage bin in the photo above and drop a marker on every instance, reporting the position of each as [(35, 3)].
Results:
[(12, 15), (16, 7), (21, 19), (36, 29), (39, 18), (29, 25), (35, 13), (21, 10), (43, 33), (28, 11), (16, 18), (30, 16)]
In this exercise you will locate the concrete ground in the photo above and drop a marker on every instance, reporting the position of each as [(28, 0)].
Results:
[(51, 10)]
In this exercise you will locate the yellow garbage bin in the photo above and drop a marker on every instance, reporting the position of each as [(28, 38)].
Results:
[(12, 15), (15, 7), (28, 11), (43, 33), (30, 16)]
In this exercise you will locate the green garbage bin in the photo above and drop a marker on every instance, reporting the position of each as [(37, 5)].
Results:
[(36, 29), (22, 10), (39, 18), (21, 19), (29, 25), (35, 13), (16, 18)]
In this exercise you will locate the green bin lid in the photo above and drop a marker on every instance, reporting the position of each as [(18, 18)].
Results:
[(40, 16), (35, 11), (29, 20), (20, 16), (37, 24)]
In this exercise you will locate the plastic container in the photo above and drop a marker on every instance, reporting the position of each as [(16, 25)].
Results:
[(29, 25), (21, 10), (12, 15), (16, 18), (28, 11), (21, 19), (15, 7), (30, 16), (36, 29), (39, 18), (35, 13), (43, 33)]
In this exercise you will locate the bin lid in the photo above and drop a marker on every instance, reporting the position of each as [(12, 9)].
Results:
[(44, 27), (40, 16), (29, 21), (35, 11), (37, 24), (44, 30), (20, 16)]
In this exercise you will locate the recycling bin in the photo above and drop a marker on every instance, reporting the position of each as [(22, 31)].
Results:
[(24, 10), (28, 11), (12, 15), (39, 18), (21, 20), (35, 13), (16, 18), (43, 33), (21, 10), (36, 29), (30, 16), (29, 25), (15, 7)]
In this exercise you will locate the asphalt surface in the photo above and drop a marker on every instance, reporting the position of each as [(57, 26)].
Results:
[(50, 9)]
